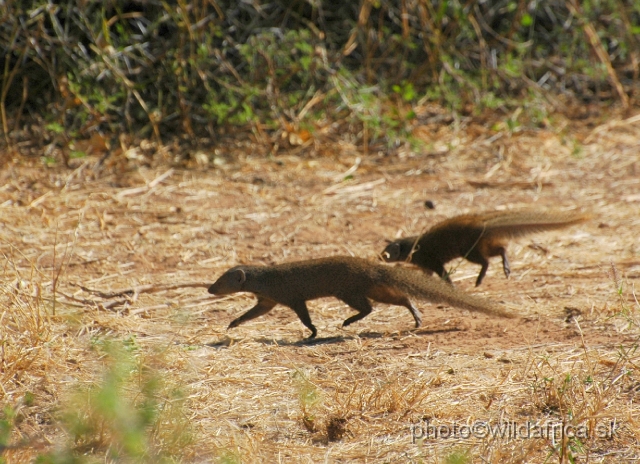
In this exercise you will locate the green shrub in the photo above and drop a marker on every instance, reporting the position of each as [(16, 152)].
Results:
[(161, 69)]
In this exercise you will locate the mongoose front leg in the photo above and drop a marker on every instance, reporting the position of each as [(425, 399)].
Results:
[(300, 308), (505, 262), (387, 295), (440, 271), (263, 306), (483, 271)]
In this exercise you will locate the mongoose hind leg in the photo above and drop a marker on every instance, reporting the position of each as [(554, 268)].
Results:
[(263, 306), (360, 304), (505, 262), (388, 295)]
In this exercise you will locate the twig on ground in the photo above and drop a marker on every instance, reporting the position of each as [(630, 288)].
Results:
[(150, 288)]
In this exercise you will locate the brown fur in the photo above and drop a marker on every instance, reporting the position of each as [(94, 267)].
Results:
[(475, 237), (352, 280)]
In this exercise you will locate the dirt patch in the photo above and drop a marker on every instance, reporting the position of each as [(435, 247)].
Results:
[(113, 252)]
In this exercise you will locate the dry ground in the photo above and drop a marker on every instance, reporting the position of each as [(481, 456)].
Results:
[(365, 393)]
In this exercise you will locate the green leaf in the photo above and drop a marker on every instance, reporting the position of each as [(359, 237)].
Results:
[(305, 61), (304, 47), (55, 127), (75, 154), (409, 92)]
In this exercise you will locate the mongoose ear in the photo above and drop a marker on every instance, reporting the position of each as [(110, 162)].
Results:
[(391, 252), (240, 276)]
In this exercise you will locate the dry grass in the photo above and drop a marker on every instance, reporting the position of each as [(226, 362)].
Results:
[(101, 298)]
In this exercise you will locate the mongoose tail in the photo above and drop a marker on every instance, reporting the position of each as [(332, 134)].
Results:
[(520, 223), (354, 281), (437, 291)]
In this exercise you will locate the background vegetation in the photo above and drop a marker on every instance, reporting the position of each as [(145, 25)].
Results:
[(158, 69)]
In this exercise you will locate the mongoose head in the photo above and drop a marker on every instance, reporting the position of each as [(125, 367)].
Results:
[(396, 251), (231, 281), (391, 252), (400, 250)]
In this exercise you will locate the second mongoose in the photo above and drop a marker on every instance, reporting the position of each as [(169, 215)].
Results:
[(475, 237), (352, 280)]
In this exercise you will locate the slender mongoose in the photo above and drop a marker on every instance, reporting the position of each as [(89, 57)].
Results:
[(352, 280), (475, 237)]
